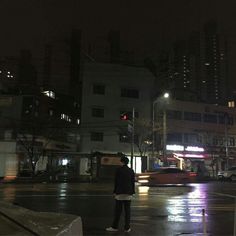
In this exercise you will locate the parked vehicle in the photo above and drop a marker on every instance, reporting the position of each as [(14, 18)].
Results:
[(229, 174), (166, 175)]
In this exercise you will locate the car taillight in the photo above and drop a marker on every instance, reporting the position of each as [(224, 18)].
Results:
[(192, 174)]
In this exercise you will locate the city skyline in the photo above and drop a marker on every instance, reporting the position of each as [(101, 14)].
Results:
[(145, 29), (148, 27)]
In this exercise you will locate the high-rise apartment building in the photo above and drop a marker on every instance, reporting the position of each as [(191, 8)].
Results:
[(198, 67), (216, 77)]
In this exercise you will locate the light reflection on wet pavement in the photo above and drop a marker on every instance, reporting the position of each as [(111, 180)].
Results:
[(186, 209), (161, 210)]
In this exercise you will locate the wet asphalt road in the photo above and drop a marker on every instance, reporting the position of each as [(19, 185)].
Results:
[(160, 210)]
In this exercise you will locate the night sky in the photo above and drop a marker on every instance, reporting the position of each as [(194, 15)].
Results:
[(145, 26)]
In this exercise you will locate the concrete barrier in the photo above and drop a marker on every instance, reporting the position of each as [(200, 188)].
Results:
[(42, 223)]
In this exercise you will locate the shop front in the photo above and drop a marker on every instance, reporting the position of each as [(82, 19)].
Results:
[(191, 158)]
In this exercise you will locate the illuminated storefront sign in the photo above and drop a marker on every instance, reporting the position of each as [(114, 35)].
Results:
[(189, 155), (182, 148), (194, 149), (175, 147)]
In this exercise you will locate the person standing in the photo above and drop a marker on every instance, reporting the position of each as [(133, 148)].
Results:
[(124, 188)]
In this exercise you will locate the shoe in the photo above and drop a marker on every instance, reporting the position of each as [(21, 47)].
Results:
[(111, 229), (127, 230)]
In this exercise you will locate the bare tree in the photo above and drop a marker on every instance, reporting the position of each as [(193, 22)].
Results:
[(34, 136), (143, 135)]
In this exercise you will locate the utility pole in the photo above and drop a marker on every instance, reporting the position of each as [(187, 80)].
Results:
[(226, 139), (164, 100), (132, 140), (164, 138), (153, 126)]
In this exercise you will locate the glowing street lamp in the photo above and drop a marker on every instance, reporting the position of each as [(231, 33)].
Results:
[(164, 97)]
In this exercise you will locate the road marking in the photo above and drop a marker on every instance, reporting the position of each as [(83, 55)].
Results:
[(224, 194), (61, 195)]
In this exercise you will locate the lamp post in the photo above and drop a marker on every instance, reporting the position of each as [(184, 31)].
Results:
[(162, 98), (132, 140), (226, 120)]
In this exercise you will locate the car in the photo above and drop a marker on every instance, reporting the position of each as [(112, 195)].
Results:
[(229, 174), (166, 175)]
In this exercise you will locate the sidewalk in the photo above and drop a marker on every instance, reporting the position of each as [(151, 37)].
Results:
[(9, 228), (16, 220)]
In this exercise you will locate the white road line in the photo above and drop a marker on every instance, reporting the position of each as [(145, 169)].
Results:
[(223, 194), (56, 195)]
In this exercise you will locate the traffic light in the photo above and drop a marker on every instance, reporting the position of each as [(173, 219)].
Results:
[(124, 116)]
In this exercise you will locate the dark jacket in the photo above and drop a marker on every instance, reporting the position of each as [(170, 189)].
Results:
[(124, 181)]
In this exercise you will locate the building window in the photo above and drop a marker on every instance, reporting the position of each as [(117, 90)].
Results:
[(99, 89), (50, 94), (50, 112), (172, 114), (191, 138), (192, 116), (65, 117), (226, 119), (174, 138), (218, 141), (98, 112), (124, 138), (129, 93), (231, 104), (209, 118), (231, 142), (96, 136)]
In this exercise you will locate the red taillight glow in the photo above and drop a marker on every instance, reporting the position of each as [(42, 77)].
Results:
[(192, 174)]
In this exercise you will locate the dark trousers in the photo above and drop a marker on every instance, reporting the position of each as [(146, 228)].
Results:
[(118, 210)]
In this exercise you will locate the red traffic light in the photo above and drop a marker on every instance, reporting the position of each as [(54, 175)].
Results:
[(124, 117)]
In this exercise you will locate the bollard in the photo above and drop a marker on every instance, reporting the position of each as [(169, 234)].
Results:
[(204, 223), (234, 216)]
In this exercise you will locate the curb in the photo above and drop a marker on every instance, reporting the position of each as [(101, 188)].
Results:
[(42, 223)]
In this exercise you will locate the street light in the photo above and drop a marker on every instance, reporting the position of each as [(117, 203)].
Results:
[(166, 95), (162, 98), (226, 121), (132, 139)]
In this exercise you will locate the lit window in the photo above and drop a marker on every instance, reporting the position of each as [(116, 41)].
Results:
[(78, 121), (51, 112), (64, 162), (124, 138), (49, 93), (65, 117), (231, 104)]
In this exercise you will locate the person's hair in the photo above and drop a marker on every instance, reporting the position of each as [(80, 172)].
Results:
[(124, 160)]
